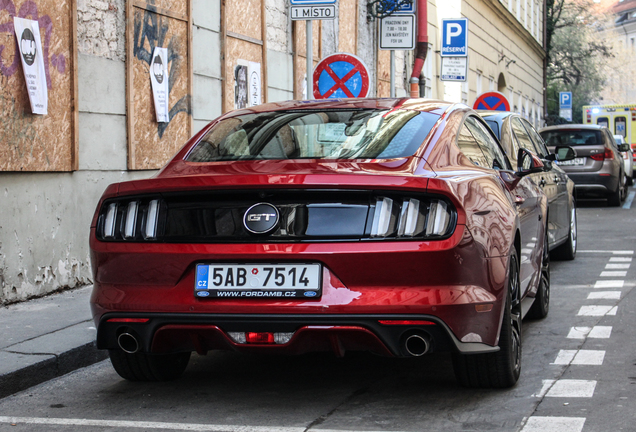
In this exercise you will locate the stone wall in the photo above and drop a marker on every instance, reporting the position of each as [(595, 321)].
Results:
[(101, 27)]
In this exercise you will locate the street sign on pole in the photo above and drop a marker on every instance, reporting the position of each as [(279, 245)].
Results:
[(454, 37), (491, 101), (313, 12), (397, 32), (565, 105), (454, 68), (341, 76)]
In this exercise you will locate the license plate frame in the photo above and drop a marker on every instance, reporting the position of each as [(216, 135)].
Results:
[(258, 281)]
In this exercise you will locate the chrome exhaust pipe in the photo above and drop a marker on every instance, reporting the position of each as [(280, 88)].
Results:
[(128, 343), (417, 345)]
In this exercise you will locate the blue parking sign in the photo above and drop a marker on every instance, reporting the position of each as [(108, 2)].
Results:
[(565, 100), (454, 37)]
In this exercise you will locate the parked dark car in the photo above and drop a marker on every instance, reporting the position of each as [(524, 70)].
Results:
[(514, 132), (597, 170), (395, 226)]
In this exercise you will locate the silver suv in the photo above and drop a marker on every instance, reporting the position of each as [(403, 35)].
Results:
[(598, 169)]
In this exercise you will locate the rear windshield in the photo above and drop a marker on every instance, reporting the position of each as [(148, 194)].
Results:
[(572, 137), (356, 134), (494, 126)]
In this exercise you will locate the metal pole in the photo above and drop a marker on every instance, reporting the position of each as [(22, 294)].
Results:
[(310, 62), (392, 73)]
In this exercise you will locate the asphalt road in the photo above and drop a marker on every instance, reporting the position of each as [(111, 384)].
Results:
[(579, 373)]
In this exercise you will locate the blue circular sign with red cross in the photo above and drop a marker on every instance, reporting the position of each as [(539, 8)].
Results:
[(493, 101), (341, 76)]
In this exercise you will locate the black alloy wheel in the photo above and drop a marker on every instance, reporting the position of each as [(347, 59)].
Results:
[(567, 251), (500, 369), (541, 305)]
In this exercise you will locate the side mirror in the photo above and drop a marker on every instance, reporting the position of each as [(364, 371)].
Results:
[(527, 163), (623, 147), (562, 153)]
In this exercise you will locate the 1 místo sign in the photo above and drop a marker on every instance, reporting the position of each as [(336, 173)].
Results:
[(313, 12)]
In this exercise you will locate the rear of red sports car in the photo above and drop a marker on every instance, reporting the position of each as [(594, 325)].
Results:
[(300, 228)]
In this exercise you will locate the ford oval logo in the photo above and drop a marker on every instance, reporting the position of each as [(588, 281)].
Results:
[(311, 293), (203, 293), (261, 218)]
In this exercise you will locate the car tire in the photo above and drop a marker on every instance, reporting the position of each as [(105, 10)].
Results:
[(541, 305), (500, 369), (567, 251), (615, 198), (630, 181), (148, 367)]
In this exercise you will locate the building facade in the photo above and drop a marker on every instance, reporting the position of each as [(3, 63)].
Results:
[(101, 125)]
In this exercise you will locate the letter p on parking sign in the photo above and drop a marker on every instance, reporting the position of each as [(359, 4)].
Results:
[(454, 37)]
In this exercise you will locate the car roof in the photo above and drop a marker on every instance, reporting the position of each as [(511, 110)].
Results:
[(572, 126)]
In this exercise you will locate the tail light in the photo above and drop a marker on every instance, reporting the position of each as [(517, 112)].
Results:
[(129, 219), (607, 154), (412, 218)]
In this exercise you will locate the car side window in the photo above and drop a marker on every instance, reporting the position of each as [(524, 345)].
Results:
[(488, 145), (522, 136), (469, 147), (536, 138)]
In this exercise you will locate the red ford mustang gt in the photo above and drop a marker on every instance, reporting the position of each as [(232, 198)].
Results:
[(395, 226)]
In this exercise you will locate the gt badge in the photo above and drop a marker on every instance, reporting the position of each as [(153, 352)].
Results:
[(261, 218)]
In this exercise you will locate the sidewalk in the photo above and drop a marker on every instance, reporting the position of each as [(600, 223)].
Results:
[(45, 338)]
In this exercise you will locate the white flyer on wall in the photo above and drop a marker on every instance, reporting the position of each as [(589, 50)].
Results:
[(254, 84), (27, 32), (160, 79)]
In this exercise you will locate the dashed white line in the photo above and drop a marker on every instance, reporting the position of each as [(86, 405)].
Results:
[(628, 201), (572, 389), (615, 252), (597, 310), (613, 274), (609, 284), (554, 424), (611, 266), (600, 332), (620, 259), (580, 357), (610, 295)]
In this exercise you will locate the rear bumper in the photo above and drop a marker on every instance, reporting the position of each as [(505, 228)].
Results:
[(165, 333), (594, 184)]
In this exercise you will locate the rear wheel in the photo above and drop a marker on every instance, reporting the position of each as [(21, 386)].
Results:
[(567, 251), (502, 368), (148, 367), (614, 199), (541, 305)]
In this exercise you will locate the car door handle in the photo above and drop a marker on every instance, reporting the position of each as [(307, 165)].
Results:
[(542, 182)]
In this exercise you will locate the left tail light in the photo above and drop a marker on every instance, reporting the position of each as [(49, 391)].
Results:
[(129, 219)]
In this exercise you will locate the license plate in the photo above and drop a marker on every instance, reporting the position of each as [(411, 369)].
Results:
[(575, 161), (258, 281)]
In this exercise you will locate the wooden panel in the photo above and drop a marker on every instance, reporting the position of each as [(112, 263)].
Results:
[(237, 49), (384, 73), (347, 19), (244, 17), (30, 142), (152, 144)]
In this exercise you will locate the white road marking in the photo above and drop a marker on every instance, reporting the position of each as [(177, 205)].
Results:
[(146, 425), (600, 332), (554, 424), (613, 274), (544, 389), (613, 311), (596, 310), (609, 284), (621, 259), (572, 388), (617, 266), (618, 252), (580, 357), (596, 332), (628, 201), (610, 295)]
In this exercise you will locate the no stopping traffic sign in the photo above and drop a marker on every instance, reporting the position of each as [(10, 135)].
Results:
[(341, 76)]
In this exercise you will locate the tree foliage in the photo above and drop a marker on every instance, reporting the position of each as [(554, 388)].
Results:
[(576, 54)]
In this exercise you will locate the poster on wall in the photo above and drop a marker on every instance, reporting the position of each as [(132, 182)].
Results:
[(27, 33), (159, 81), (254, 84), (240, 86)]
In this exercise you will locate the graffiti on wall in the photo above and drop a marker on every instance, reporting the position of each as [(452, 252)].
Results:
[(150, 31)]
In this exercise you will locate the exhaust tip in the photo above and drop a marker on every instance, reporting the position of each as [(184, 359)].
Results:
[(128, 343), (417, 345)]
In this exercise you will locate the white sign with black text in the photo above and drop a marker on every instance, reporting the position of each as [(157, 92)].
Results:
[(313, 12), (27, 32), (254, 84), (454, 68), (397, 32), (159, 80)]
